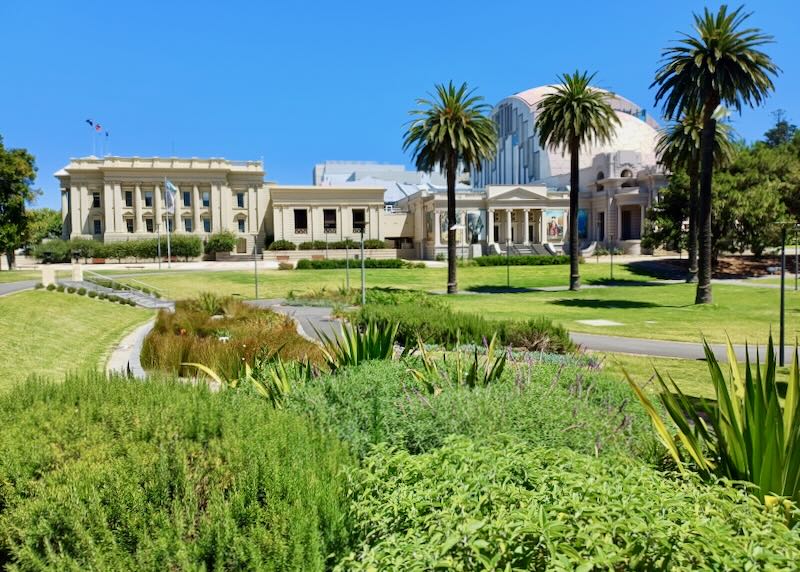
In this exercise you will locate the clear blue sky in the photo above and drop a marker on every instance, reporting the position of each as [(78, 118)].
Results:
[(302, 82)]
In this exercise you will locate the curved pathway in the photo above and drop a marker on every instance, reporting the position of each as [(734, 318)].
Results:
[(13, 287)]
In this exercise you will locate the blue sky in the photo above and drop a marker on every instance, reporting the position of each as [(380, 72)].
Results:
[(301, 82)]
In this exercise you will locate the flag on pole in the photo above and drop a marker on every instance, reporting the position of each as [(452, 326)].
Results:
[(90, 122), (170, 193)]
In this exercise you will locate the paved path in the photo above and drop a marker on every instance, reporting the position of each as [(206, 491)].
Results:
[(12, 287), (311, 319)]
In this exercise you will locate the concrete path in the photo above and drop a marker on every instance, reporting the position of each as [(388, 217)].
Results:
[(310, 319), (12, 287), (126, 355)]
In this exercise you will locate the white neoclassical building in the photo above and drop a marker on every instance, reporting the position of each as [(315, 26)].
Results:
[(517, 201)]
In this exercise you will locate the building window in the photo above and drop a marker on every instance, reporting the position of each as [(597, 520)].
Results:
[(95, 200), (359, 220), (128, 198), (626, 173), (148, 199), (329, 220), (240, 200), (98, 226), (129, 224), (187, 198), (206, 199), (148, 224), (241, 222), (187, 224), (170, 224), (206, 224), (300, 221)]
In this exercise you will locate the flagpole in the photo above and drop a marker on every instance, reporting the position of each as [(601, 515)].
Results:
[(172, 202)]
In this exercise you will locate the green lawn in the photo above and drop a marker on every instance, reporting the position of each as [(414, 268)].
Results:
[(50, 333), (690, 375), (17, 275)]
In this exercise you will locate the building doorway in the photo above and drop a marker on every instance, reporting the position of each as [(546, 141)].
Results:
[(601, 226), (241, 246)]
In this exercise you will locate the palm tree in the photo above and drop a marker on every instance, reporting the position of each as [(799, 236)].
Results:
[(721, 65), (449, 129), (572, 116), (678, 147)]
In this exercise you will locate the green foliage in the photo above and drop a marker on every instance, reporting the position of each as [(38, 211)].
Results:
[(343, 244), (664, 226), (354, 346), (506, 506), (747, 435), (523, 260), (224, 241), (51, 287), (92, 294), (285, 266), (374, 243), (184, 246), (283, 245), (312, 245), (39, 286), (17, 173), (335, 263), (82, 291), (477, 371), (440, 257), (545, 400), (111, 474), (438, 324), (43, 223), (71, 289)]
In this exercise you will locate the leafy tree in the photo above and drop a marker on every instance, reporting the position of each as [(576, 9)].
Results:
[(43, 223), (665, 219), (573, 116), (782, 132), (678, 147), (451, 128), (722, 64), (17, 173)]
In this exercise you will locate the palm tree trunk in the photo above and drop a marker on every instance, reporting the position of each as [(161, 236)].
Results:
[(693, 216), (452, 165), (703, 295), (574, 247)]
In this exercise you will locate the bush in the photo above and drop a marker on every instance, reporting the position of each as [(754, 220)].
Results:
[(102, 296), (71, 289), (108, 474), (81, 291), (224, 241), (374, 243), (312, 245), (39, 286), (344, 244), (285, 266), (440, 257), (185, 246), (524, 260), (92, 294), (332, 263), (51, 287), (60, 288), (504, 506), (536, 400), (283, 245), (438, 324)]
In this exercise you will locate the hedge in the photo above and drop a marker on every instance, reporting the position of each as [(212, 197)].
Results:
[(523, 260), (224, 241), (371, 243), (282, 245), (61, 250), (101, 474), (438, 324), (331, 264)]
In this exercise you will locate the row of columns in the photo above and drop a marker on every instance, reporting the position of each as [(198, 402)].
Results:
[(526, 224)]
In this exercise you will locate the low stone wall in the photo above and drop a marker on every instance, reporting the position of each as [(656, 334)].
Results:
[(339, 254)]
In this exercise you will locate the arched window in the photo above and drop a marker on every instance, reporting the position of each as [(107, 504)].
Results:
[(626, 174), (601, 175)]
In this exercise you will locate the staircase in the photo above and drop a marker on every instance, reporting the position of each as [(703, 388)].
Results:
[(139, 298), (526, 250)]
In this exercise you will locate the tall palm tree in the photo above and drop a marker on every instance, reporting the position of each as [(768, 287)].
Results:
[(720, 65), (678, 147), (449, 129), (573, 116)]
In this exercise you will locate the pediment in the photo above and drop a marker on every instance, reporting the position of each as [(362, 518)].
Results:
[(520, 193)]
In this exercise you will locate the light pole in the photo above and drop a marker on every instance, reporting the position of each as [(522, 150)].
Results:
[(255, 262), (783, 292), (611, 253), (363, 277), (508, 264), (347, 263)]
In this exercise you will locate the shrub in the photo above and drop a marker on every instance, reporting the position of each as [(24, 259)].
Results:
[(523, 260), (81, 291), (107, 474), (285, 266), (347, 243), (374, 243), (186, 246), (440, 325), (60, 288), (552, 401), (505, 506), (312, 245), (71, 289), (92, 294), (224, 241), (440, 257), (51, 287), (39, 286), (336, 263), (353, 346), (102, 296), (283, 245)]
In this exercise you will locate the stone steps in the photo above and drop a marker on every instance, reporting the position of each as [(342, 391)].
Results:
[(139, 298)]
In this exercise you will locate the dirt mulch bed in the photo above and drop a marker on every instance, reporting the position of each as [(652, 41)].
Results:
[(730, 267)]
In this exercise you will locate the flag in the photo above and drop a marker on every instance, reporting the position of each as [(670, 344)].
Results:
[(90, 122), (98, 127), (170, 191)]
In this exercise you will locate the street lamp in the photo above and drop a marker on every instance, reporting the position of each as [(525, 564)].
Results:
[(611, 253), (784, 226), (255, 262), (363, 276)]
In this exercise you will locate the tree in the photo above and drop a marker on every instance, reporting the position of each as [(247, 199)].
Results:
[(782, 132), (17, 173), (678, 147), (573, 116), (449, 129), (43, 223), (721, 65), (664, 223)]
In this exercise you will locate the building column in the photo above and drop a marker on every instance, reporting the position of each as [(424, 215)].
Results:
[(437, 235), (65, 218), (463, 222), (542, 227), (157, 216), (525, 239), (119, 221), (137, 209), (618, 226), (508, 226), (641, 222), (109, 214), (489, 226), (196, 205)]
